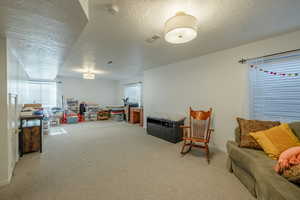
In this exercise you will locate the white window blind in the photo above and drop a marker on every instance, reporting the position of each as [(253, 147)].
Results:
[(44, 93), (275, 97), (133, 92)]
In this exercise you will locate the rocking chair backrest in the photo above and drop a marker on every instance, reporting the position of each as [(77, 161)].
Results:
[(200, 123)]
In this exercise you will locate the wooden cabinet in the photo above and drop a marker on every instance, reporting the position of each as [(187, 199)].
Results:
[(31, 139), (31, 134), (136, 116), (142, 118)]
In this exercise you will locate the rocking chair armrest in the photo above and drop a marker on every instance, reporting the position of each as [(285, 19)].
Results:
[(182, 126)]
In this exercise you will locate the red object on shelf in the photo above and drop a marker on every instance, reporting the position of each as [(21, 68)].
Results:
[(64, 119), (117, 112), (80, 118)]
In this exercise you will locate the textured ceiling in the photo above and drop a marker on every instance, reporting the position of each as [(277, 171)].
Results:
[(40, 32), (47, 35), (222, 24)]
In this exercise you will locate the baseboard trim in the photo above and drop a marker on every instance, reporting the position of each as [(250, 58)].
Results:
[(6, 181)]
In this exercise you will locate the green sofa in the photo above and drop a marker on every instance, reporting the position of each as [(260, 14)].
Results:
[(255, 170)]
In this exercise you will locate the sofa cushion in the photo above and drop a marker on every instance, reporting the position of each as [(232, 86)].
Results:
[(248, 159), (295, 126), (269, 185), (276, 140), (247, 126)]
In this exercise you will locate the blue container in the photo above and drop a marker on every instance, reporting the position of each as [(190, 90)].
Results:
[(72, 120), (38, 112), (118, 117)]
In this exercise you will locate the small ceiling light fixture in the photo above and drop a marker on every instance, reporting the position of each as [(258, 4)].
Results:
[(89, 73), (89, 76), (181, 28), (87, 70)]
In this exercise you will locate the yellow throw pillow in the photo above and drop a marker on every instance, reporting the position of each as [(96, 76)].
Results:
[(276, 140)]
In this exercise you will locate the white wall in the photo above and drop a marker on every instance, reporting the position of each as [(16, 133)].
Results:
[(4, 171), (215, 80), (12, 77), (16, 77), (100, 91)]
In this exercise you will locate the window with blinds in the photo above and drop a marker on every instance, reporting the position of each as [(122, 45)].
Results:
[(44, 93), (275, 88)]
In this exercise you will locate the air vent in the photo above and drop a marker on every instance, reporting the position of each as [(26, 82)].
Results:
[(153, 38), (112, 8)]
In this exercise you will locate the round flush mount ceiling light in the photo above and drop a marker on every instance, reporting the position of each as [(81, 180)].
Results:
[(181, 28)]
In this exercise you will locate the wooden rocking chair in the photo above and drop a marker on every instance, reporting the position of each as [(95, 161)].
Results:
[(197, 134)]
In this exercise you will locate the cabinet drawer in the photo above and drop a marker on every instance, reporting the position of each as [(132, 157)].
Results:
[(31, 139)]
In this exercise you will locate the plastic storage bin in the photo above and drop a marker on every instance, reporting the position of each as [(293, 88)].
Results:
[(165, 129), (72, 119)]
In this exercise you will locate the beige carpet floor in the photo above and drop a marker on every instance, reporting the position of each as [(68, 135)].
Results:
[(118, 161)]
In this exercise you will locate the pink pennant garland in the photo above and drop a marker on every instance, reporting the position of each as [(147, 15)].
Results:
[(274, 73)]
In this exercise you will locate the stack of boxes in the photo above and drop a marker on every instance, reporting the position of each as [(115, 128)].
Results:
[(117, 113), (91, 112), (72, 111), (103, 114), (56, 116), (73, 105), (46, 123)]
